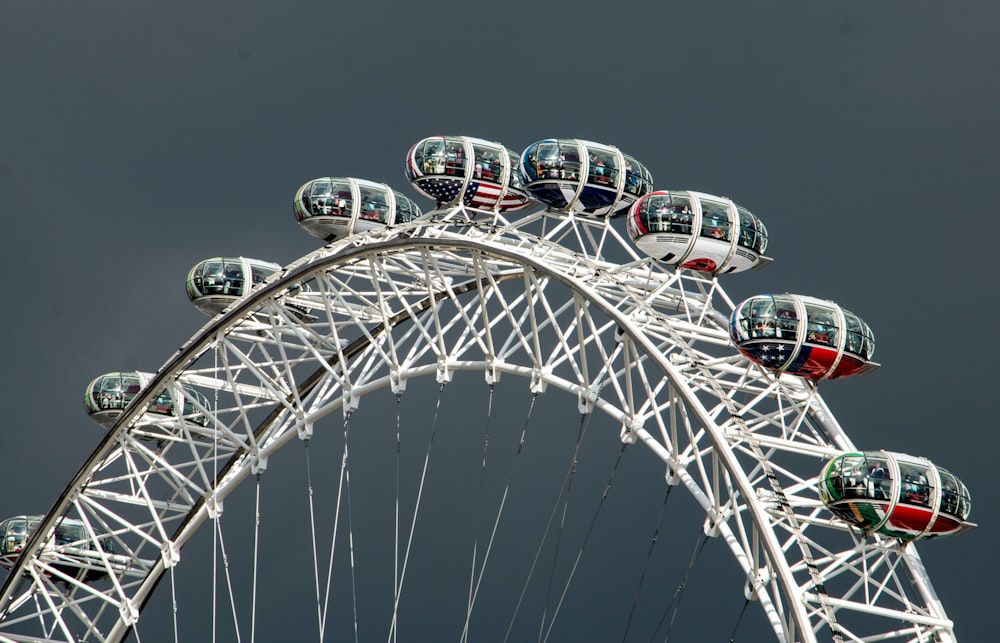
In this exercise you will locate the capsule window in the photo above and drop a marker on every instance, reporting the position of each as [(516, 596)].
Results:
[(314, 200), (954, 495), (846, 476), (406, 210), (211, 279), (373, 205), (232, 278), (69, 534), (748, 231), (786, 322), (487, 166), (330, 199), (868, 341), (855, 340), (668, 213), (603, 168), (569, 162), (16, 533), (762, 318), (715, 220), (879, 480), (132, 385), (821, 326), (190, 411), (914, 488), (514, 180), (454, 157), (109, 393), (260, 273), (637, 178), (761, 245), (753, 234), (429, 156)]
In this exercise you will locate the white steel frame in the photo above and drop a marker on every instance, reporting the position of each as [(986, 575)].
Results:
[(462, 290)]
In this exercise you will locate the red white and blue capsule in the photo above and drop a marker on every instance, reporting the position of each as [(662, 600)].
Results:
[(572, 175), (332, 208), (462, 170), (698, 232), (895, 495), (803, 336)]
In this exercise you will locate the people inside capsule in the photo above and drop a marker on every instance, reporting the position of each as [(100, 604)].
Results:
[(802, 336), (332, 208), (107, 396), (895, 495), (68, 535), (698, 232), (462, 170), (571, 175)]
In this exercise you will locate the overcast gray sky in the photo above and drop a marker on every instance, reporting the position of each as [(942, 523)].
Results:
[(137, 138)]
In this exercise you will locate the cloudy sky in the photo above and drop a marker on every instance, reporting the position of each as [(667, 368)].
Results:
[(137, 138)]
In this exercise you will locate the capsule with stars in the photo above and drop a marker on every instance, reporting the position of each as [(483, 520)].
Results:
[(803, 336), (462, 170)]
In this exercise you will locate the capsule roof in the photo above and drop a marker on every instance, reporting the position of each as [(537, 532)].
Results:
[(473, 172), (108, 395), (803, 336), (698, 231), (331, 208), (572, 175), (896, 495)]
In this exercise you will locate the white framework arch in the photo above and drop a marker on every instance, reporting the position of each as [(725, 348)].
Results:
[(461, 290)]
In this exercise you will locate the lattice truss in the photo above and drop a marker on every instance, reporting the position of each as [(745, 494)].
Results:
[(643, 343)]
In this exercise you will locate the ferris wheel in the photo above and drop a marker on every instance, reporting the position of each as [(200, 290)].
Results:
[(479, 407)]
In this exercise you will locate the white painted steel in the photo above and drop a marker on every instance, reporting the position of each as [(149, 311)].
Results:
[(557, 300)]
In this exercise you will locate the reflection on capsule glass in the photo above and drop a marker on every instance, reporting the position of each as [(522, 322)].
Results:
[(803, 336), (698, 232), (895, 495), (332, 208), (571, 175), (69, 538), (108, 395), (461, 170)]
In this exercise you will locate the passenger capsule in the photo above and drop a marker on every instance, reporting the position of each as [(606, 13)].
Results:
[(70, 549), (802, 336), (108, 395), (895, 495), (333, 208), (698, 232), (473, 172), (215, 284), (571, 175)]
